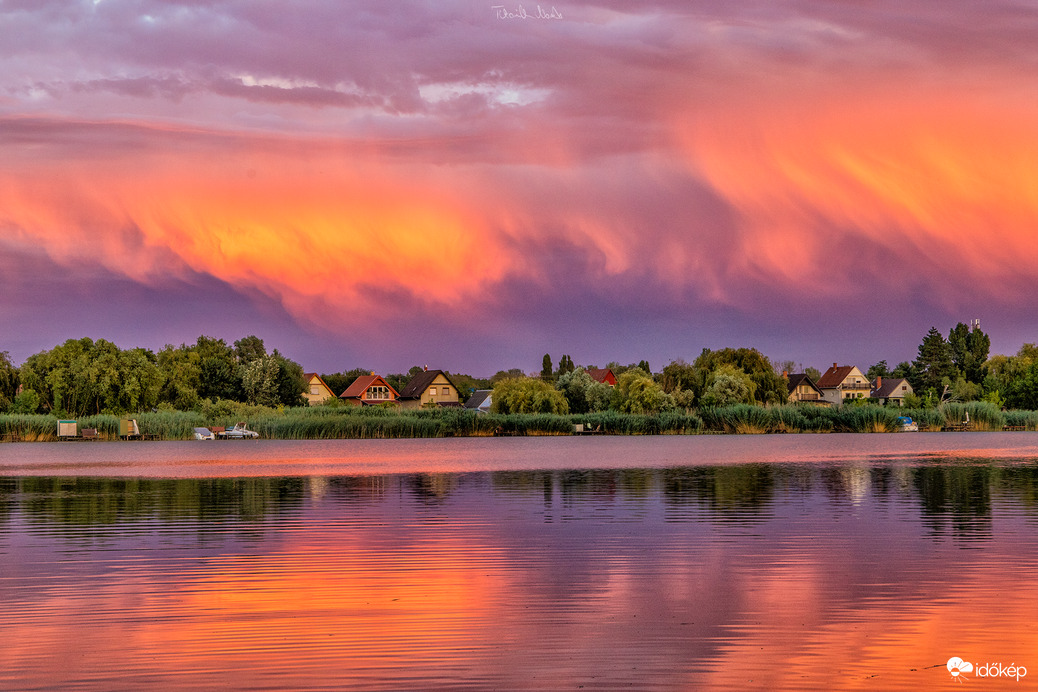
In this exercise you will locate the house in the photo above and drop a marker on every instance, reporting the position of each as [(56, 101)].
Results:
[(317, 392), (368, 390), (843, 382), (892, 390), (603, 375), (480, 401), (430, 387), (803, 389)]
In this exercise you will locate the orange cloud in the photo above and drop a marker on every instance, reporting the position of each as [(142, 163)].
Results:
[(299, 223), (925, 176)]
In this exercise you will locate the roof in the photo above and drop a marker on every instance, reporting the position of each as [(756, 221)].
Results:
[(361, 384), (834, 376), (600, 374), (310, 378), (420, 382), (888, 388), (478, 397), (800, 378)]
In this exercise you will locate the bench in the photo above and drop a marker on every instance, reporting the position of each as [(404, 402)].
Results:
[(89, 434)]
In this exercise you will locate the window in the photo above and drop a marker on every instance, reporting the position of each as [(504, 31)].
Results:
[(377, 393), (315, 389), (432, 391), (904, 388), (445, 391)]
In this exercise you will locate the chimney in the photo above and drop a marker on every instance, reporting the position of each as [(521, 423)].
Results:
[(835, 366), (879, 382), (425, 369), (785, 374)]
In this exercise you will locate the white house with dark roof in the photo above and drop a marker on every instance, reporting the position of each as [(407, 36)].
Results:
[(841, 383), (890, 389)]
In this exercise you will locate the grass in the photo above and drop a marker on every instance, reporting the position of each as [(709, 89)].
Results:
[(347, 422)]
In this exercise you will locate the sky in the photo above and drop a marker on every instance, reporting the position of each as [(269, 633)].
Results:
[(469, 185)]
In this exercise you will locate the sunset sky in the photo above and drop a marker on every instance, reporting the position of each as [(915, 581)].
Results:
[(387, 183)]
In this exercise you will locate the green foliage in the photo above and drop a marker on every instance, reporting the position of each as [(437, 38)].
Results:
[(982, 415), (26, 401), (83, 376), (726, 386), (8, 381), (933, 366), (969, 350), (637, 392), (679, 375), (546, 371), (527, 395), (880, 369), (768, 386)]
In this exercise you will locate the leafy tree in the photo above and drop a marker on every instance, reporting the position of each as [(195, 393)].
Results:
[(679, 375), (181, 375), (8, 380), (969, 349), (814, 373), (82, 377), (643, 365), (546, 372), (506, 374), (565, 366), (880, 369), (768, 387), (219, 377), (637, 392), (291, 381), (728, 385), (933, 366), (26, 401), (527, 395), (1023, 390), (260, 381), (249, 348)]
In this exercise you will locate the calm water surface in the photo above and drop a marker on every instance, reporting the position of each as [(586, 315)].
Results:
[(664, 563)]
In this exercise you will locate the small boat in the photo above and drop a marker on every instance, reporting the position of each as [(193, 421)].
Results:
[(906, 424), (204, 434), (238, 432)]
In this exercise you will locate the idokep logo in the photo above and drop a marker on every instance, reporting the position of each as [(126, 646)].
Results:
[(958, 668)]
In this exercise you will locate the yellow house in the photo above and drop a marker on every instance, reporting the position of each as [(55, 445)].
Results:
[(317, 392), (429, 388), (803, 389)]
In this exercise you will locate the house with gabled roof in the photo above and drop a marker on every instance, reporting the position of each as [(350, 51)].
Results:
[(429, 388), (891, 390), (317, 392), (841, 383), (803, 389), (368, 390), (603, 375), (480, 401)]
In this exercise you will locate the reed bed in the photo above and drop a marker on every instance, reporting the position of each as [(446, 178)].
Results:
[(377, 422)]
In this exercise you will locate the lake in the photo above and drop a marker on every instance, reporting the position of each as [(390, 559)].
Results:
[(782, 562)]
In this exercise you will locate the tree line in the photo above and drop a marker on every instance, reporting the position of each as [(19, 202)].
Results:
[(86, 377)]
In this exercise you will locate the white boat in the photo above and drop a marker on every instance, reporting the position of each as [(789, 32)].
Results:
[(238, 432), (204, 434), (906, 424)]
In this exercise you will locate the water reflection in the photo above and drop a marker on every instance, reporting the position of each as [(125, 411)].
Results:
[(953, 500), (781, 576)]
